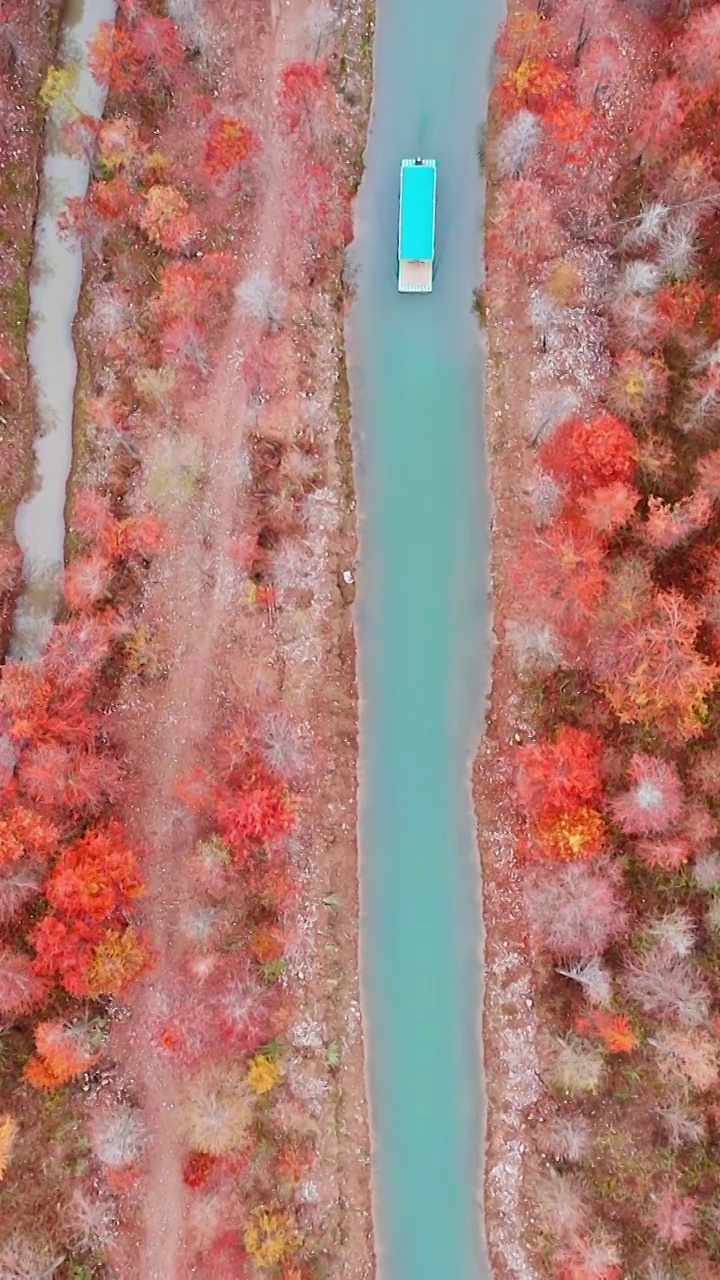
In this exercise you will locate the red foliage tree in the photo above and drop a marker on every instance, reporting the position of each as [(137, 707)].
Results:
[(639, 386), (194, 287), (156, 41), (69, 780), (229, 143), (588, 454), (96, 877), (670, 524), (87, 957), (556, 775), (609, 507), (63, 1052), (613, 1029), (65, 949), (536, 84), (651, 670), (578, 832), (166, 218), (522, 36), (524, 227), (664, 854), (122, 56), (256, 816), (39, 709), (320, 206), (113, 59), (24, 833), (566, 567), (302, 85)]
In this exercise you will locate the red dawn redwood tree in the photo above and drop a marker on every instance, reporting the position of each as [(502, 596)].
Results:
[(524, 228), (588, 454), (565, 565), (228, 144), (650, 668), (302, 88), (697, 50), (557, 774)]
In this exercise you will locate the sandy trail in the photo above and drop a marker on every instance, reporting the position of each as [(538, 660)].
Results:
[(167, 728)]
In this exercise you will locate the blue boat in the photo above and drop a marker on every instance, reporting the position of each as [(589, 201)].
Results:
[(416, 229)]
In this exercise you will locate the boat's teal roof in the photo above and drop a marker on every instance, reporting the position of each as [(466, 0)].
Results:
[(417, 211)]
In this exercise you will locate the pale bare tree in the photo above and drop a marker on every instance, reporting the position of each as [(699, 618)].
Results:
[(320, 22), (263, 299)]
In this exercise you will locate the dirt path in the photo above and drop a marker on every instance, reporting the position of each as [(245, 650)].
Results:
[(193, 600)]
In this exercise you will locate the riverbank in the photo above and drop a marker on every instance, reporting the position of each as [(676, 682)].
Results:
[(596, 783), (292, 626), (210, 548)]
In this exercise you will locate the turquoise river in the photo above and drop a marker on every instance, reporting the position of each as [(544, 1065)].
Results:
[(423, 630)]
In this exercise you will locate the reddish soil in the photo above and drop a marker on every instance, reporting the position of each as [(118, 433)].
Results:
[(508, 1021)]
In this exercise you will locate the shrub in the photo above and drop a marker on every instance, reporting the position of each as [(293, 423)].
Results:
[(561, 1212), (675, 932), (675, 1217), (577, 833)]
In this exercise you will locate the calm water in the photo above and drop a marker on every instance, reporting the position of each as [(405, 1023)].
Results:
[(54, 291), (422, 618)]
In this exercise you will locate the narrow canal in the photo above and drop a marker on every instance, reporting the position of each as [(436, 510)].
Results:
[(54, 292), (424, 644)]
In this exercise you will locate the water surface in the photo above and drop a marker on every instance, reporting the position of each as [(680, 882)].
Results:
[(422, 624), (54, 292)]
